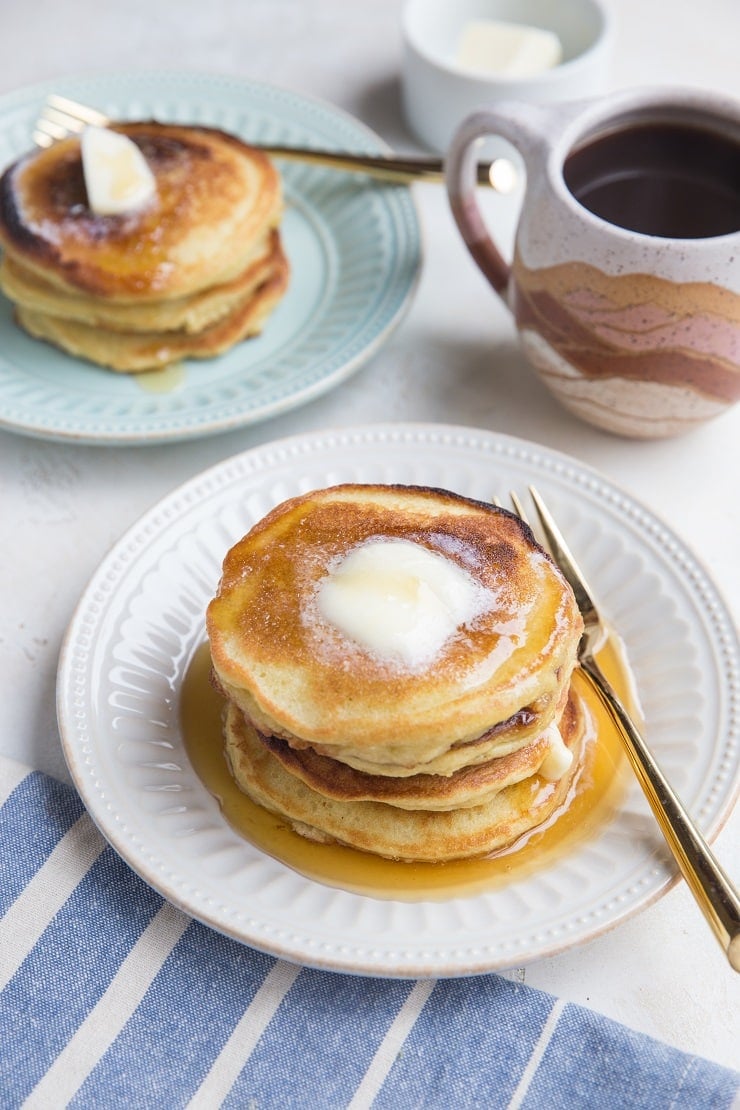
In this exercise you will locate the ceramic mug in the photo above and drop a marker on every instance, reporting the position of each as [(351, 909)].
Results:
[(625, 279)]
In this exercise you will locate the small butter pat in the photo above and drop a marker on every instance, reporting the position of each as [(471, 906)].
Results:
[(399, 600), (507, 49), (558, 759), (117, 177)]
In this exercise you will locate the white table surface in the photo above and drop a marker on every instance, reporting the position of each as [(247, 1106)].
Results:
[(454, 359)]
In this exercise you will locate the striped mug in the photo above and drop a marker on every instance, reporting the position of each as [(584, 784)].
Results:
[(625, 277)]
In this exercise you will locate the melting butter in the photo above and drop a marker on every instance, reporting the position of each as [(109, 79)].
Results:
[(503, 49), (399, 600), (117, 177), (559, 757)]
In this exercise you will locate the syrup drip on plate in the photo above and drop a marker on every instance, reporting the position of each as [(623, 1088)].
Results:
[(592, 801), (165, 380)]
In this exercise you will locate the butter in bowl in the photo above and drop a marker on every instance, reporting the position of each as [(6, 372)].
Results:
[(460, 55)]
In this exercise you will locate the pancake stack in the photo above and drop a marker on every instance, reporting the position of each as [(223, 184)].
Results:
[(188, 275), (397, 662)]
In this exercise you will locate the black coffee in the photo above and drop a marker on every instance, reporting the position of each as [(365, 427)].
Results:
[(673, 180)]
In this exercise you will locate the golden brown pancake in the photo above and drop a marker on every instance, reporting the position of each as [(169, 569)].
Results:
[(298, 677), (187, 275), (442, 753), (390, 831), (502, 739), (216, 198), (191, 313), (469, 786), (139, 351)]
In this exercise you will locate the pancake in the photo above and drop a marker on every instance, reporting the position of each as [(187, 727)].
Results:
[(139, 351), (387, 830), (469, 786), (502, 739), (191, 313), (188, 274), (216, 198), (296, 676)]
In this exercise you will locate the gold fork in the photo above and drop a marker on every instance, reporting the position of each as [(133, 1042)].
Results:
[(61, 117), (708, 882)]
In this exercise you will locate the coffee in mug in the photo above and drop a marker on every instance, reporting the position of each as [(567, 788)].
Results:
[(667, 179)]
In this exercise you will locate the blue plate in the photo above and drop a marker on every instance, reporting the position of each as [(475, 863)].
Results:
[(354, 251)]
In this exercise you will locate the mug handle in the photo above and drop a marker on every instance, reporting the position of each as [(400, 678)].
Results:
[(530, 129)]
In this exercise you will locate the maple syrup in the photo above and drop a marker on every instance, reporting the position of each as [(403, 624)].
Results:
[(592, 801), (165, 380)]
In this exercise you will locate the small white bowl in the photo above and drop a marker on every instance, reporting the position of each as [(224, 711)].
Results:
[(438, 92)]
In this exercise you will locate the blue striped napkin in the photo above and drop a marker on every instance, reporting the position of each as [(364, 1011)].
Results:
[(112, 998)]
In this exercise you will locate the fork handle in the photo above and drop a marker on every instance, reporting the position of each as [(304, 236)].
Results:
[(393, 168), (708, 882)]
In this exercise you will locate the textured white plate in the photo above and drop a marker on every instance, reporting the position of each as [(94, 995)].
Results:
[(354, 250), (142, 617)]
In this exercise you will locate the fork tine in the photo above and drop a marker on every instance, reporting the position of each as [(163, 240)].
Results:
[(562, 555), (61, 117), (538, 533), (51, 128), (518, 507), (42, 136), (53, 118), (72, 110)]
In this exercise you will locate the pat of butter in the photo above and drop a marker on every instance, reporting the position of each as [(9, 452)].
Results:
[(558, 759), (398, 600), (503, 49), (117, 177)]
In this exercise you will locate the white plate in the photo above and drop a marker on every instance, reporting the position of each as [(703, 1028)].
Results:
[(142, 617), (354, 250)]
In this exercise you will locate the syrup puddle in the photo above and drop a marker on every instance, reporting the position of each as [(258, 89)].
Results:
[(165, 380), (594, 798)]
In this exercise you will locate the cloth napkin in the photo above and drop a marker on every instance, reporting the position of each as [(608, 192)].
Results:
[(111, 997)]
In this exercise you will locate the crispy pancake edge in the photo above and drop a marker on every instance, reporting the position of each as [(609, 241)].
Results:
[(471, 785), (191, 313), (139, 352), (416, 836)]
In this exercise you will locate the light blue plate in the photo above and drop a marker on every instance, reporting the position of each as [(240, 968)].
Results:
[(353, 247)]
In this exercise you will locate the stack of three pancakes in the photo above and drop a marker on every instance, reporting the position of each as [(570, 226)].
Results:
[(397, 666), (188, 274)]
